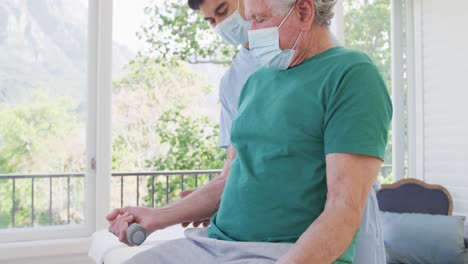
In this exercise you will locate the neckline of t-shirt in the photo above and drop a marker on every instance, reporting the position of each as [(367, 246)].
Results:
[(321, 54)]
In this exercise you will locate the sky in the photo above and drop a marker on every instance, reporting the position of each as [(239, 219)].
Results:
[(127, 19)]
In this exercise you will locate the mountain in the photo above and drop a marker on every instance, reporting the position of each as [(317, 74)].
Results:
[(43, 46)]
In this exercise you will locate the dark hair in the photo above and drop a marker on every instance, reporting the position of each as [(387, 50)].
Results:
[(195, 4)]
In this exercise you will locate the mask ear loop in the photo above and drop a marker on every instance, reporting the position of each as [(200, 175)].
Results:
[(297, 40), (284, 20), (286, 17)]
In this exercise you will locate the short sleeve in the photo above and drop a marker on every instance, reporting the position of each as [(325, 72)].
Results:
[(358, 113)]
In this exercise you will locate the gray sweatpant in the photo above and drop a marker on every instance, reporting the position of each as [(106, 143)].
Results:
[(197, 247)]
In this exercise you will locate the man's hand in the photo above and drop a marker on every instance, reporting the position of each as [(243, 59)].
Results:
[(196, 223), (120, 219)]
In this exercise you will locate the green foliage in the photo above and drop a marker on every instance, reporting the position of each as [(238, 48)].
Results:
[(43, 136), (174, 33), (367, 28), (36, 137), (140, 98), (188, 144), (6, 191), (157, 125), (170, 82)]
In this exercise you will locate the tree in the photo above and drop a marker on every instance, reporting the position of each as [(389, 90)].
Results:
[(38, 136), (177, 33), (367, 28), (42, 136), (140, 98), (188, 144), (158, 125)]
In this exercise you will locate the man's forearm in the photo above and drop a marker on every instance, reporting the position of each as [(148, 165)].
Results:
[(326, 239), (199, 205)]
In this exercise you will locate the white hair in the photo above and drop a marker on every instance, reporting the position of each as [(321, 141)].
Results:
[(323, 10)]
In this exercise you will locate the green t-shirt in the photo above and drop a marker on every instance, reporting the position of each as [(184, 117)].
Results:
[(288, 121)]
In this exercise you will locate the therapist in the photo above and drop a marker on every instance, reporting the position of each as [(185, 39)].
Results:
[(228, 20)]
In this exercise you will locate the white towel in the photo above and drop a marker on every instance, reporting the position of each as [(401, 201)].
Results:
[(104, 242)]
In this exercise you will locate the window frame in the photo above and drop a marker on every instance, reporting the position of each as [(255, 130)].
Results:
[(415, 79), (398, 95), (98, 140)]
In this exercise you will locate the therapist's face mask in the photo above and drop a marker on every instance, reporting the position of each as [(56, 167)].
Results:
[(265, 47), (234, 29)]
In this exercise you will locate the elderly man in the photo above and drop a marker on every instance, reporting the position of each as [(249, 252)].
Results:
[(229, 21), (310, 138)]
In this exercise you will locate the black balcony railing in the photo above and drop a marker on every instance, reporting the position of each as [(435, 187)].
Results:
[(181, 176), (164, 179), (154, 177), (34, 178)]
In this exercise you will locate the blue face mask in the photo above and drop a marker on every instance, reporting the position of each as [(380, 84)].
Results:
[(264, 46), (234, 29)]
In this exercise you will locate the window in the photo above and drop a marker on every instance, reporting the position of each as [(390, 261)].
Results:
[(165, 109), (44, 115), (366, 25)]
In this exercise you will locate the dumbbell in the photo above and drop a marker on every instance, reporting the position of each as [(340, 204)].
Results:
[(136, 234)]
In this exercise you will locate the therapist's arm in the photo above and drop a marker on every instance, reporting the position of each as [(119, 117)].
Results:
[(199, 205), (231, 154), (349, 180)]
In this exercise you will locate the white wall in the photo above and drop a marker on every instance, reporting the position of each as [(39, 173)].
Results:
[(443, 36)]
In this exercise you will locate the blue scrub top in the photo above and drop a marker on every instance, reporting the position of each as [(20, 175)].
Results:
[(230, 88)]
